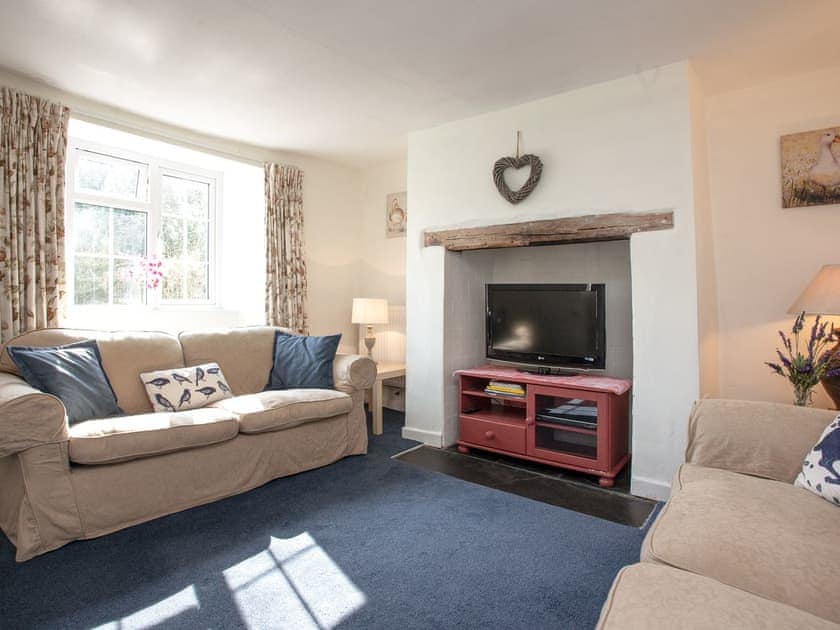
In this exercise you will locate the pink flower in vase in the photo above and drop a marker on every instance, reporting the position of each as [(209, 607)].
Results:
[(149, 271)]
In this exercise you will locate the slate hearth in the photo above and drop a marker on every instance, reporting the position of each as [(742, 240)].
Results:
[(550, 485)]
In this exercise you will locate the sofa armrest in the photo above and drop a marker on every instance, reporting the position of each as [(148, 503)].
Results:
[(353, 372), (763, 439), (28, 417)]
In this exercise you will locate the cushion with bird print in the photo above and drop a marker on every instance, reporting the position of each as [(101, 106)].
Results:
[(180, 389), (821, 468)]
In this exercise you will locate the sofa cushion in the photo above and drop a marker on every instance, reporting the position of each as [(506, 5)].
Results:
[(689, 473), (125, 355), (303, 362), (244, 354), (766, 537), (120, 439), (655, 597), (284, 409), (821, 468), (73, 374), (180, 389)]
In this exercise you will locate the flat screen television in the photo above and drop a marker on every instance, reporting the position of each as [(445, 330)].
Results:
[(559, 325)]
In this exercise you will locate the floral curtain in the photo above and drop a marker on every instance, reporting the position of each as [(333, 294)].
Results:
[(285, 282), (33, 148)]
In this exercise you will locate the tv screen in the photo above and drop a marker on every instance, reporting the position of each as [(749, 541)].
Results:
[(552, 324)]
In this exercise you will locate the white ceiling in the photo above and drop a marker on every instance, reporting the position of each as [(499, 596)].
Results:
[(347, 79)]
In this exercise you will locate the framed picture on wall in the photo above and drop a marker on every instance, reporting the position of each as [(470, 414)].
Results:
[(395, 214), (811, 168)]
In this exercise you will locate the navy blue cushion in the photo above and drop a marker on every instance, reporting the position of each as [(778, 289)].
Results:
[(72, 373), (303, 362)]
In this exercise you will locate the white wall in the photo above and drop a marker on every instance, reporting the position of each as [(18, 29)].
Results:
[(621, 145), (332, 235), (765, 255), (383, 259), (381, 272), (707, 289)]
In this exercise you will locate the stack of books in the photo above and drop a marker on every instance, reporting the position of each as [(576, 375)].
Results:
[(505, 389)]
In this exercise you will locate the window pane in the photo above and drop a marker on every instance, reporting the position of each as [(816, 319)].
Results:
[(185, 197), (198, 287), (173, 280), (198, 244), (129, 233), (172, 235), (90, 280), (111, 176), (90, 229), (129, 284)]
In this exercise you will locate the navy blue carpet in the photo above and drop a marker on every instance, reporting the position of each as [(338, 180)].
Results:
[(368, 542)]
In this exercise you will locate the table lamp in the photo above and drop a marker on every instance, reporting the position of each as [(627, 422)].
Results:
[(370, 311), (822, 297)]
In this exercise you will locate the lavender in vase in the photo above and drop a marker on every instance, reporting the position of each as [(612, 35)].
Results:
[(804, 369)]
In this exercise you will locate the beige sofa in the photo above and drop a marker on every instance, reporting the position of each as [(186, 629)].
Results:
[(61, 483), (737, 545)]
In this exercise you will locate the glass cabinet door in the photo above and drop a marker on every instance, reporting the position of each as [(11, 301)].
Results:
[(565, 425)]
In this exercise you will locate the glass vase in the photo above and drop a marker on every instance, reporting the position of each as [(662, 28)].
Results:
[(802, 396)]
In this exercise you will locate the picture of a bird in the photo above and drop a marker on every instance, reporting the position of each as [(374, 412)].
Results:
[(213, 370), (199, 375), (158, 382), (163, 401), (180, 378), (207, 391), (223, 386), (185, 398), (810, 168)]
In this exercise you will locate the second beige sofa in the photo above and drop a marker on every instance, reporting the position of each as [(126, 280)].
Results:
[(60, 483), (737, 545)]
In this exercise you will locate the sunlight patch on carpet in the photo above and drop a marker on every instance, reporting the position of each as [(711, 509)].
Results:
[(167, 609), (293, 584)]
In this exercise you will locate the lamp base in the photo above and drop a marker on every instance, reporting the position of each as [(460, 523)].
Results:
[(370, 341), (832, 383)]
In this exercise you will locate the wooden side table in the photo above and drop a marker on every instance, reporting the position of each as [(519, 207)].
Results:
[(383, 371)]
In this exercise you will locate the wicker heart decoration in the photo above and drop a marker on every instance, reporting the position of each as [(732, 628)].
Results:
[(503, 164)]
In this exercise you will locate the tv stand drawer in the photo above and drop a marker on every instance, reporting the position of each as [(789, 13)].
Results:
[(498, 435)]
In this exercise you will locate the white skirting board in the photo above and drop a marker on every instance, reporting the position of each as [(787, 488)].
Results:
[(650, 488), (432, 438)]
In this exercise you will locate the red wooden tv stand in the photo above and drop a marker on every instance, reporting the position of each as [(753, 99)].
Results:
[(577, 422)]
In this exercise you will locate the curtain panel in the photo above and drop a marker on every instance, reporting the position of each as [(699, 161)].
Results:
[(33, 150), (285, 278)]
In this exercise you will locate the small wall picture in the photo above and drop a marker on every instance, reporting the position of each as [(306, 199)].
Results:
[(396, 214), (811, 168)]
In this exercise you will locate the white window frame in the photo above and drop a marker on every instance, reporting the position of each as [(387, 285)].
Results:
[(152, 207)]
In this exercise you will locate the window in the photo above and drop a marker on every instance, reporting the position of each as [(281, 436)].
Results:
[(141, 231)]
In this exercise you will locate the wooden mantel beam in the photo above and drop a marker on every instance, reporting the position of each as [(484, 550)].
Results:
[(580, 229)]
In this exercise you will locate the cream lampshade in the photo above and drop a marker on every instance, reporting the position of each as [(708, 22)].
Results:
[(369, 311), (822, 297)]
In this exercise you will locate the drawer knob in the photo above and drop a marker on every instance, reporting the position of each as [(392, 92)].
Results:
[(529, 421), (489, 435)]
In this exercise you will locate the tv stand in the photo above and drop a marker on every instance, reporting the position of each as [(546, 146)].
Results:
[(577, 422)]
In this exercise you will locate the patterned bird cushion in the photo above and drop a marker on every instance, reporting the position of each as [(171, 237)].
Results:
[(180, 389), (821, 469)]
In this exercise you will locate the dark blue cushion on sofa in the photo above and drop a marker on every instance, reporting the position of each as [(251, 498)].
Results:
[(303, 362), (72, 373)]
